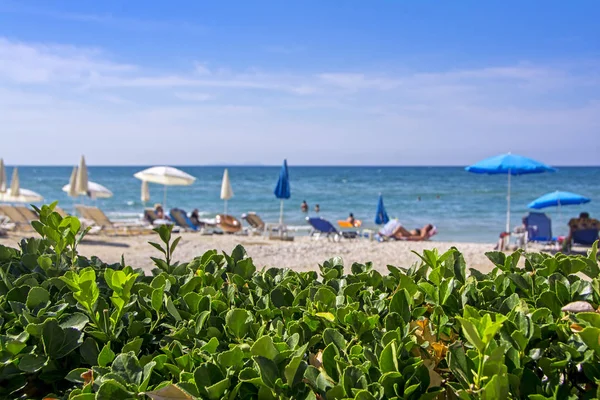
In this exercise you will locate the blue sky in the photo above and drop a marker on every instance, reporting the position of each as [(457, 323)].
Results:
[(318, 82)]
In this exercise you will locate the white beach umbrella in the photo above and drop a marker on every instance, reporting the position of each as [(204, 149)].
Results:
[(226, 190), (15, 183), (72, 186), (2, 176), (167, 176), (24, 196), (145, 192), (81, 184), (95, 190)]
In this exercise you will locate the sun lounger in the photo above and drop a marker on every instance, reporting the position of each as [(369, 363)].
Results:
[(181, 219), (323, 227), (228, 223), (16, 217), (99, 219), (585, 237), (257, 225)]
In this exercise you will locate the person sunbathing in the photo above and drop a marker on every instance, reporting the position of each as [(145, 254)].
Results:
[(584, 222), (395, 230)]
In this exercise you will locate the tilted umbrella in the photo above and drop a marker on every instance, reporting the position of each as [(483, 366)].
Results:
[(282, 189), (2, 176), (95, 190), (167, 176), (509, 164), (558, 199), (226, 190), (24, 196), (381, 217), (81, 183)]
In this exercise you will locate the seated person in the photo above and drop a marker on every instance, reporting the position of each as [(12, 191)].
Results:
[(160, 212), (351, 219), (395, 230), (195, 218), (584, 222)]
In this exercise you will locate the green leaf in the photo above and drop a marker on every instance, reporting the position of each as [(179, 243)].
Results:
[(170, 392), (294, 371), (37, 295), (388, 360), (76, 321), (32, 363), (268, 370), (331, 335), (128, 367), (171, 309), (264, 347), (353, 378), (401, 304), (133, 345), (157, 299), (106, 355), (211, 346), (550, 300), (231, 358), (329, 362), (591, 337), (112, 389), (238, 321), (89, 351), (471, 333), (59, 342)]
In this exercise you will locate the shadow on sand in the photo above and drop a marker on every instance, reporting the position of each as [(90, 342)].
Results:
[(93, 242)]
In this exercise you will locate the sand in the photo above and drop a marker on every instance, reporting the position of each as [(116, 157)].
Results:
[(302, 254)]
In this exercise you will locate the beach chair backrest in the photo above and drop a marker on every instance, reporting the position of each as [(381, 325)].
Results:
[(321, 225), (150, 215), (98, 216), (539, 227), (83, 211), (254, 220), (13, 214), (585, 236), (27, 213), (180, 218)]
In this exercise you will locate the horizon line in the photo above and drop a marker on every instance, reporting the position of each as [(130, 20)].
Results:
[(279, 165)]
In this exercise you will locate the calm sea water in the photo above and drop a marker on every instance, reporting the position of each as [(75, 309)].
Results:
[(470, 207)]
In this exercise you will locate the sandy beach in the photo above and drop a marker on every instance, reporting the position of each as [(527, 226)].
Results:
[(301, 254)]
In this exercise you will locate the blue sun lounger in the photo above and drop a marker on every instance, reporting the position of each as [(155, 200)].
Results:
[(180, 217), (323, 227)]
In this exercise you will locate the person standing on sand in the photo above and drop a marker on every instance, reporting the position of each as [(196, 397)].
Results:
[(304, 206)]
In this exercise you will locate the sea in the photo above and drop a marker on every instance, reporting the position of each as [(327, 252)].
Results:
[(465, 207)]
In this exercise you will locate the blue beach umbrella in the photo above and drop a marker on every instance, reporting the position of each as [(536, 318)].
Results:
[(557, 199), (509, 164), (282, 190), (382, 216)]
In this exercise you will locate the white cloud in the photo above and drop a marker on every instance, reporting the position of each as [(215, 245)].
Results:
[(441, 117)]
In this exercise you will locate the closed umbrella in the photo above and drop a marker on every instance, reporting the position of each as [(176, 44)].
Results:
[(167, 176), (15, 184), (509, 164), (145, 192), (282, 189), (81, 184), (95, 190), (381, 217), (2, 176), (72, 191), (226, 190)]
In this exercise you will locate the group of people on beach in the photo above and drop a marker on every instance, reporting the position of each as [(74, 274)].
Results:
[(304, 207)]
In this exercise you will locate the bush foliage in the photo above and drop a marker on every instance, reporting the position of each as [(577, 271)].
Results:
[(216, 327)]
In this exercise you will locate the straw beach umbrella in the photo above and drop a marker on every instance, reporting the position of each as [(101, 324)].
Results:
[(226, 190), (2, 176), (509, 164), (167, 176), (282, 189), (81, 184), (145, 197)]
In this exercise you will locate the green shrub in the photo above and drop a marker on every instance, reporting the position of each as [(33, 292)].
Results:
[(216, 327)]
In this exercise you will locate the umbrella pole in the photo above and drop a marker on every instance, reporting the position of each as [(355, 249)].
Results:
[(281, 213), (225, 212), (508, 205), (165, 198)]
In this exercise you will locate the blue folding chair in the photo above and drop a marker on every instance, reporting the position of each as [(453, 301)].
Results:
[(323, 227), (539, 227), (585, 237), (180, 217)]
